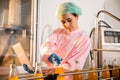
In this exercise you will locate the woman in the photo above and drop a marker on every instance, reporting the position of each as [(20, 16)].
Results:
[(69, 42)]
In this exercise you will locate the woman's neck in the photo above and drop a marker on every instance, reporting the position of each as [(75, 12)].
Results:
[(74, 29)]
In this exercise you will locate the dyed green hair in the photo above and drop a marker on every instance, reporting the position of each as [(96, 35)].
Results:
[(68, 7)]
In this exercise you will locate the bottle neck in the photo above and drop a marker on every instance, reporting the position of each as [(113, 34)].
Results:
[(77, 65), (55, 62), (13, 71), (115, 64), (38, 69), (92, 64), (105, 65)]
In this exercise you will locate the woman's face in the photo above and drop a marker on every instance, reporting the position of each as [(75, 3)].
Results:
[(69, 22)]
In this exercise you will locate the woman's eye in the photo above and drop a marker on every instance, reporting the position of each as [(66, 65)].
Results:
[(63, 22), (69, 20)]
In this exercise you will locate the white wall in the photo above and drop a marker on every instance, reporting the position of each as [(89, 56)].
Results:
[(112, 6), (90, 8)]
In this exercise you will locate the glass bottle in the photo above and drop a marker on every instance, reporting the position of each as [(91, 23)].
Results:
[(115, 73), (38, 71), (13, 75), (92, 75), (58, 69), (105, 74), (77, 76)]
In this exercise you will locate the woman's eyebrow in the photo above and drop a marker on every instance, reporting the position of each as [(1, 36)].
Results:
[(68, 19)]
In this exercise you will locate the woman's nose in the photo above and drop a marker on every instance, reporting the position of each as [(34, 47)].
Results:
[(67, 24)]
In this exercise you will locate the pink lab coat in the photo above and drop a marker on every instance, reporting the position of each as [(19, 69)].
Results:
[(73, 46)]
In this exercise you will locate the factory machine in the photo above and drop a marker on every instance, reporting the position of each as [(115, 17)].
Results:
[(111, 42), (105, 54)]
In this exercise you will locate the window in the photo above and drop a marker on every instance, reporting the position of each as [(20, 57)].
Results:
[(16, 27)]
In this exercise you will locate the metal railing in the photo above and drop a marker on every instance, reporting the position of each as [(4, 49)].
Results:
[(84, 71)]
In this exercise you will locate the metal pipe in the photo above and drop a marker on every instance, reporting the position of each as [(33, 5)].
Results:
[(71, 73), (111, 78), (107, 25), (105, 50), (43, 31), (103, 11)]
